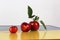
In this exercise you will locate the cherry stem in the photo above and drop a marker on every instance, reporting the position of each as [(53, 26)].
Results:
[(36, 18)]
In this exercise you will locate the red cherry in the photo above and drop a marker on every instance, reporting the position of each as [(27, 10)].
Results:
[(34, 25), (13, 29), (25, 27)]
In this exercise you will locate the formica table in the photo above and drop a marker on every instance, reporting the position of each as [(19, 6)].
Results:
[(52, 32)]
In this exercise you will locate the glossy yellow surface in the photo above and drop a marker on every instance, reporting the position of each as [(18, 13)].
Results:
[(53, 34)]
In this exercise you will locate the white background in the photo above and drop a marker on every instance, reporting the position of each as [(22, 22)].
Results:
[(14, 12)]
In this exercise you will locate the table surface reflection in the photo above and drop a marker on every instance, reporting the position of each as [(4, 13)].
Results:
[(51, 33)]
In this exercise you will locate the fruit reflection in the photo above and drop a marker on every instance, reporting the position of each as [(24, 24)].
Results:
[(13, 36), (25, 35), (34, 35), (30, 35)]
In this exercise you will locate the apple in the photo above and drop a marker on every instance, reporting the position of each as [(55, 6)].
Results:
[(34, 25), (25, 27), (13, 29)]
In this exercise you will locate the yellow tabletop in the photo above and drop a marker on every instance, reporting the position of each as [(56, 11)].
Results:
[(32, 35)]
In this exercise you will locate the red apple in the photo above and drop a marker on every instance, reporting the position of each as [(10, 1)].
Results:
[(25, 27), (34, 25), (13, 29)]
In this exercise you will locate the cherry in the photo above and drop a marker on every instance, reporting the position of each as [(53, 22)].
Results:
[(34, 25), (25, 27), (13, 29)]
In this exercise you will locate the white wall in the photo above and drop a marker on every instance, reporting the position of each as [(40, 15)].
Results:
[(14, 12)]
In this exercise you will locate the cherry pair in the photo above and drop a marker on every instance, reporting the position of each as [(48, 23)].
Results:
[(33, 26)]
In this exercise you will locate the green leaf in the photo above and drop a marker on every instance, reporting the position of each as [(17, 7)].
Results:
[(30, 12), (43, 24), (36, 18)]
